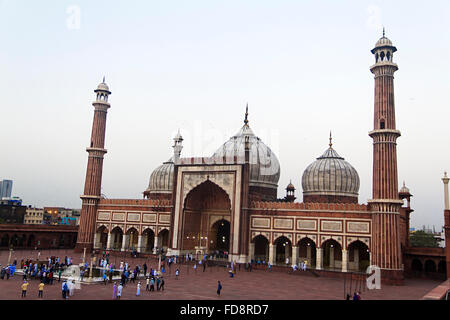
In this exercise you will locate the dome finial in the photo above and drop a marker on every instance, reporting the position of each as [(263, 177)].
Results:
[(331, 143), (103, 79), (384, 33), (246, 115)]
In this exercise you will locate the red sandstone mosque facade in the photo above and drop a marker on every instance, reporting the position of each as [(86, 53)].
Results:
[(227, 203)]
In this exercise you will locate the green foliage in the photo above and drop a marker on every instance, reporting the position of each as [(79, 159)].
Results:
[(423, 239)]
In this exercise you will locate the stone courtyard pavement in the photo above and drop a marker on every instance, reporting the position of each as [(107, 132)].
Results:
[(191, 285)]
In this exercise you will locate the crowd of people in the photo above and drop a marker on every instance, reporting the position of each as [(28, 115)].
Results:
[(50, 270), (46, 272)]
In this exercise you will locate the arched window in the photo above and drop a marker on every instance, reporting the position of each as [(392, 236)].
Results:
[(382, 126), (382, 55), (376, 57), (388, 56)]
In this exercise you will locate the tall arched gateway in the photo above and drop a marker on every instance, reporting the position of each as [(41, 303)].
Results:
[(206, 220), (208, 214)]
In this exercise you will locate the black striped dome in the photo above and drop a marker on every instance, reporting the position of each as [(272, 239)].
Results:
[(330, 174)]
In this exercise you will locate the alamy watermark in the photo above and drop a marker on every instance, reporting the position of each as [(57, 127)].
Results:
[(374, 280), (73, 21)]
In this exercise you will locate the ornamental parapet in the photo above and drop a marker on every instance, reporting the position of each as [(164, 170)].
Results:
[(209, 160), (308, 206), (137, 202)]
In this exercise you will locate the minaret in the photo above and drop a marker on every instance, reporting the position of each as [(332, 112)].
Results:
[(445, 179), (385, 204), (290, 193), (446, 223), (177, 147), (93, 182)]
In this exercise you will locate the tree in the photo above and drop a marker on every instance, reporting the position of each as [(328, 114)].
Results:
[(421, 238)]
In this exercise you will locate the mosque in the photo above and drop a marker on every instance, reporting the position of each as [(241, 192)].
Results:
[(227, 204)]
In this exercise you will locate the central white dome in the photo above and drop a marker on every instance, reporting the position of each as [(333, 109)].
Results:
[(264, 165)]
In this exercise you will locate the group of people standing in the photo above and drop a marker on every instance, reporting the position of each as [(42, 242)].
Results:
[(8, 271), (45, 272)]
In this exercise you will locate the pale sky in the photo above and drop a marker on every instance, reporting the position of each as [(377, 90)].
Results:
[(302, 66)]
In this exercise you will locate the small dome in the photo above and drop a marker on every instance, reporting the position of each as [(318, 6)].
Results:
[(103, 86), (161, 179), (264, 165), (404, 189), (290, 186), (330, 175), (383, 42)]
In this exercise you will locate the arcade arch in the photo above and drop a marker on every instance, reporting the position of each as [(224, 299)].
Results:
[(332, 254), (283, 250), (307, 251), (358, 256)]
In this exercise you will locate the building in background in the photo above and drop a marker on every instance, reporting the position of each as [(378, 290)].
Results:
[(69, 217), (11, 212), (52, 215), (5, 188), (34, 216)]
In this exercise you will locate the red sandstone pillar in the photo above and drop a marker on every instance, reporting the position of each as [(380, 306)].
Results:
[(385, 204), (92, 186), (447, 240)]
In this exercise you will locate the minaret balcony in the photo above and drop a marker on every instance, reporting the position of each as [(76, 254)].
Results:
[(390, 135)]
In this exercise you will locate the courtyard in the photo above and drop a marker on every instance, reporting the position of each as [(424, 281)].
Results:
[(198, 285)]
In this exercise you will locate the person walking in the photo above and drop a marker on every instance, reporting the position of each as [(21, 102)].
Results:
[(138, 289), (119, 291), (161, 286), (158, 281), (105, 278), (219, 288), (65, 289), (145, 269), (41, 290), (114, 290), (24, 289), (71, 286), (8, 272), (147, 287), (152, 284), (177, 273)]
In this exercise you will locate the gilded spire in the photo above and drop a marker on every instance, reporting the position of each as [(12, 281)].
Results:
[(246, 115), (331, 144)]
